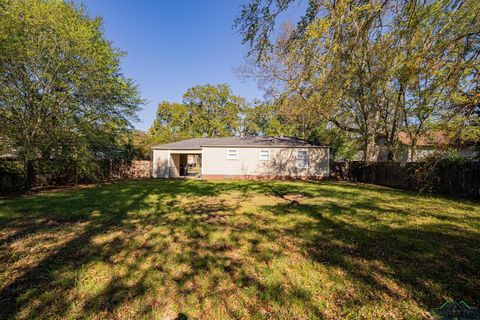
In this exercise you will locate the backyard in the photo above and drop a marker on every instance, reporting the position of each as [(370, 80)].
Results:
[(184, 249)]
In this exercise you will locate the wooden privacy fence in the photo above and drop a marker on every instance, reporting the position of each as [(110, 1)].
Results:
[(137, 169), (13, 180), (442, 177), (141, 169)]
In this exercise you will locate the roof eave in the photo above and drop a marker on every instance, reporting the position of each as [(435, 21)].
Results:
[(166, 148), (261, 146)]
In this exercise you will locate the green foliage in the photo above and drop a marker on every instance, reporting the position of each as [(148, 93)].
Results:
[(293, 117), (62, 93), (373, 68), (343, 145), (172, 123), (266, 119), (10, 166), (206, 111), (453, 157), (212, 111), (139, 146)]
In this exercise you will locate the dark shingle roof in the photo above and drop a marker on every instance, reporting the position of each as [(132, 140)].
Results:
[(237, 141), (188, 144)]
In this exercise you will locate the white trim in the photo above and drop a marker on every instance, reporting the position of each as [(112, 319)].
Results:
[(262, 146), (169, 165), (183, 151), (231, 157), (268, 155), (154, 164), (328, 162)]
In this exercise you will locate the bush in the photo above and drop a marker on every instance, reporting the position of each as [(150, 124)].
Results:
[(11, 176), (453, 157)]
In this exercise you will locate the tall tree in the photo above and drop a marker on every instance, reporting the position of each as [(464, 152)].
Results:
[(206, 111), (372, 67), (438, 58), (264, 119), (214, 110), (62, 92), (173, 122), (292, 117)]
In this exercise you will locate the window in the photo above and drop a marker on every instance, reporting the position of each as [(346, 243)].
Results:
[(264, 155), (232, 154), (302, 159)]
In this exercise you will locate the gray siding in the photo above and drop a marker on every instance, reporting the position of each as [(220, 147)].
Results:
[(161, 160), (282, 162)]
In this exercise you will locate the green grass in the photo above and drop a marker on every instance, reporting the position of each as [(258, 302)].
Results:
[(236, 250)]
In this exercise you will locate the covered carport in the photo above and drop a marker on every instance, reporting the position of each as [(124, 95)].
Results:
[(171, 160), (179, 163)]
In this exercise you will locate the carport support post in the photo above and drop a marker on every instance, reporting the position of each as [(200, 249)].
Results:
[(169, 157), (328, 160)]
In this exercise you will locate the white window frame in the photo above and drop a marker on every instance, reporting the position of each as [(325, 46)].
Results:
[(268, 155), (305, 165), (231, 156)]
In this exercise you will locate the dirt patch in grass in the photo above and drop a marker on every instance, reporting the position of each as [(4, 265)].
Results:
[(294, 198)]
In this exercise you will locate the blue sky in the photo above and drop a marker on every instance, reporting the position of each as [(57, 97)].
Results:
[(174, 45)]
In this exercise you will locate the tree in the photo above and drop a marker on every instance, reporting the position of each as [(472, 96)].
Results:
[(173, 122), (62, 93), (214, 110), (206, 111), (265, 119), (292, 117), (138, 146), (437, 55), (372, 67)]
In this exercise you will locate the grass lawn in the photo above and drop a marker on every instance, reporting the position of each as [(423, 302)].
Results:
[(242, 250)]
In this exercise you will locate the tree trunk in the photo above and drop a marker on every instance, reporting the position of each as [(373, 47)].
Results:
[(29, 171), (390, 155), (371, 148), (413, 151), (365, 150)]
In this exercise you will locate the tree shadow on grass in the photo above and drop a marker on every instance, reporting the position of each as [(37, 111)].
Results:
[(89, 213), (71, 254), (72, 220), (430, 262), (150, 233)]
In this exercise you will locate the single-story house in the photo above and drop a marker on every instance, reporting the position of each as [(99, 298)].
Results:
[(426, 145), (246, 157)]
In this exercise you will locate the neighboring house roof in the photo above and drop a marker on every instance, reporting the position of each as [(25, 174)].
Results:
[(238, 141), (435, 139), (438, 139)]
